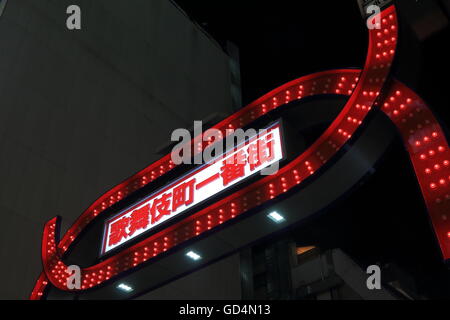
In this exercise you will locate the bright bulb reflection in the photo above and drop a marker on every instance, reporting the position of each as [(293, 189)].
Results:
[(193, 255), (276, 217)]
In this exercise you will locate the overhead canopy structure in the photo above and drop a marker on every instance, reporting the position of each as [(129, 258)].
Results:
[(311, 177)]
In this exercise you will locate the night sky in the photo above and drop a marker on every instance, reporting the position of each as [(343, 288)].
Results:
[(283, 40)]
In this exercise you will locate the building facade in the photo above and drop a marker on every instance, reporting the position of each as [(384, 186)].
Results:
[(84, 109)]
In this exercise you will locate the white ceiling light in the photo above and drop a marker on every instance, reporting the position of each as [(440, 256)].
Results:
[(193, 255), (276, 217), (124, 287)]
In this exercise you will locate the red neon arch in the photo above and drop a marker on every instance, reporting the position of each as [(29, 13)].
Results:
[(426, 145)]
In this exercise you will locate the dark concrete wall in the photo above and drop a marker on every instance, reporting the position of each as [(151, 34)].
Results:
[(82, 110), (219, 281)]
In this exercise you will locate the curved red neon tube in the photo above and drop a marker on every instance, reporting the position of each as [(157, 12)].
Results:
[(420, 131)]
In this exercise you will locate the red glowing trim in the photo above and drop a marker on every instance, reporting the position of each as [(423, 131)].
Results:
[(364, 89)]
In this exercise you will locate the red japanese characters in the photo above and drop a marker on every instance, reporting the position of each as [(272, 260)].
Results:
[(248, 157)]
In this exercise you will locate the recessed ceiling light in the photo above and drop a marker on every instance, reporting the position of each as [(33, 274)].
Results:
[(193, 255), (276, 217), (124, 287)]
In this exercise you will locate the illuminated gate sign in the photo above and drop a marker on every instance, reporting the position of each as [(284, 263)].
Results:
[(427, 146), (213, 177)]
